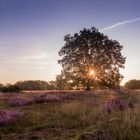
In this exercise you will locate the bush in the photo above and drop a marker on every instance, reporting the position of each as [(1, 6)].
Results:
[(46, 98), (114, 105), (10, 88), (19, 102), (8, 117), (52, 98), (40, 98)]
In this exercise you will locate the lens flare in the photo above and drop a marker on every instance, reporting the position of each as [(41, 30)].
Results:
[(91, 73)]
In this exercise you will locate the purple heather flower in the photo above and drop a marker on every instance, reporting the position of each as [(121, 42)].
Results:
[(19, 102), (52, 98), (114, 104), (8, 117), (40, 98)]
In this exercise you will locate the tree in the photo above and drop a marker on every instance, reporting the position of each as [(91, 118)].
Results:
[(1, 86), (132, 84), (90, 57), (10, 88)]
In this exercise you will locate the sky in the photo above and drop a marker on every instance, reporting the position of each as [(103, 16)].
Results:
[(32, 31)]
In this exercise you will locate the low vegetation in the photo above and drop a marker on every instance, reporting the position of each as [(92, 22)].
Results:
[(10, 88), (75, 115), (8, 117)]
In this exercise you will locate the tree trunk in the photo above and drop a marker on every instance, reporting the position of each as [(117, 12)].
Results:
[(88, 85), (88, 88)]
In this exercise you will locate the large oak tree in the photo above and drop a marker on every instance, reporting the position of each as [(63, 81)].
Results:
[(90, 57)]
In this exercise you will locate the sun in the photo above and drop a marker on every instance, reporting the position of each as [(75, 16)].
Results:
[(91, 72)]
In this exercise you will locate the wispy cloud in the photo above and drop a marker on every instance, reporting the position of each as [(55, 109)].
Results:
[(120, 24)]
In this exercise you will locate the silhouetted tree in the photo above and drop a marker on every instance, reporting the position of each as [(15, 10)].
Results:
[(90, 50), (1, 86), (10, 88), (132, 84)]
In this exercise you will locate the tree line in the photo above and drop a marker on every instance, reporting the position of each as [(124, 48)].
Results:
[(56, 85)]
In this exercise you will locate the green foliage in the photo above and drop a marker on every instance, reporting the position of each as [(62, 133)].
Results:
[(10, 88), (91, 50), (34, 85), (133, 84)]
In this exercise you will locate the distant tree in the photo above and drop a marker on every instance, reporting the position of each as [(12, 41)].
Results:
[(90, 56), (132, 84), (1, 86), (10, 88), (33, 85)]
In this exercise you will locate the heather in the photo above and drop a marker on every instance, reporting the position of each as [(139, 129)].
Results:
[(70, 115), (19, 102), (115, 104), (8, 117), (51, 98)]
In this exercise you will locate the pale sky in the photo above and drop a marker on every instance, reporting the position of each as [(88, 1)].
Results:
[(32, 31)]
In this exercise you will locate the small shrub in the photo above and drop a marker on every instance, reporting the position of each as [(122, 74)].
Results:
[(46, 98), (19, 102), (114, 105), (8, 117), (39, 98), (65, 97), (52, 98)]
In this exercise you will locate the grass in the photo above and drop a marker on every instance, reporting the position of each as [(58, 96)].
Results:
[(76, 116)]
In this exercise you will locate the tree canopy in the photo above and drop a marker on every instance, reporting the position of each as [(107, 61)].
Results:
[(90, 57)]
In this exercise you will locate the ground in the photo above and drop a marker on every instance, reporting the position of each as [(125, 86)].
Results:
[(73, 115)]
